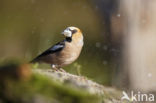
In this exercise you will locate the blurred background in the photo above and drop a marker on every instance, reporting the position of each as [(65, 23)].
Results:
[(119, 37)]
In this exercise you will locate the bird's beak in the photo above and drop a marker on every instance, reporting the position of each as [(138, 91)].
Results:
[(67, 33)]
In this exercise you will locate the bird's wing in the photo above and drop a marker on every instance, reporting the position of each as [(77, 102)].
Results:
[(57, 47)]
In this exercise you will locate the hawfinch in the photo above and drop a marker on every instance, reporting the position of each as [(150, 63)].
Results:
[(64, 52)]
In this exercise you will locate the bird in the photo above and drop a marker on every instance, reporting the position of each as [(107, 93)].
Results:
[(65, 52)]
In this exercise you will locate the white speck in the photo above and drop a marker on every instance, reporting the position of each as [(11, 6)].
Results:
[(105, 62), (53, 66), (118, 15), (98, 44), (149, 75), (105, 47)]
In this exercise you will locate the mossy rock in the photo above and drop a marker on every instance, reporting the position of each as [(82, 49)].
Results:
[(39, 89)]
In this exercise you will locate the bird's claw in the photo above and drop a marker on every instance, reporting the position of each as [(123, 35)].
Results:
[(61, 70), (56, 68)]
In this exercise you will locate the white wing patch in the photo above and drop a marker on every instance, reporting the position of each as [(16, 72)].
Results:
[(56, 47)]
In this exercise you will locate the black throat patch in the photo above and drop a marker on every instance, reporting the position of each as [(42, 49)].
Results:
[(69, 39)]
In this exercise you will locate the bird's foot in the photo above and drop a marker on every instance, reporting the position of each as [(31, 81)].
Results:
[(56, 68), (62, 70)]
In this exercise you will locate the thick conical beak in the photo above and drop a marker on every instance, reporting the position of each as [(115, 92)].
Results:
[(67, 33)]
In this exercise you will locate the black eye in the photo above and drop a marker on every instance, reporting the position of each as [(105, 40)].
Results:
[(73, 31)]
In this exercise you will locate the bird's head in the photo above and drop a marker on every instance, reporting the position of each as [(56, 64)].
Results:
[(73, 34), (70, 31)]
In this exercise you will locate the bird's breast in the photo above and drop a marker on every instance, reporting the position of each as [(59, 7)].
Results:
[(70, 53)]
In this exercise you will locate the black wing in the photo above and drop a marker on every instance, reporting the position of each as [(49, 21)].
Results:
[(57, 47)]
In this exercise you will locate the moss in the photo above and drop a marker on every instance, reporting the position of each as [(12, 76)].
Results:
[(40, 88)]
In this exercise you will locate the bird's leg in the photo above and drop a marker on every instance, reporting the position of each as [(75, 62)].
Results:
[(57, 68), (61, 69), (54, 67)]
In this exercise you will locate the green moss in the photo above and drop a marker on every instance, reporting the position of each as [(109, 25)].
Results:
[(42, 89)]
